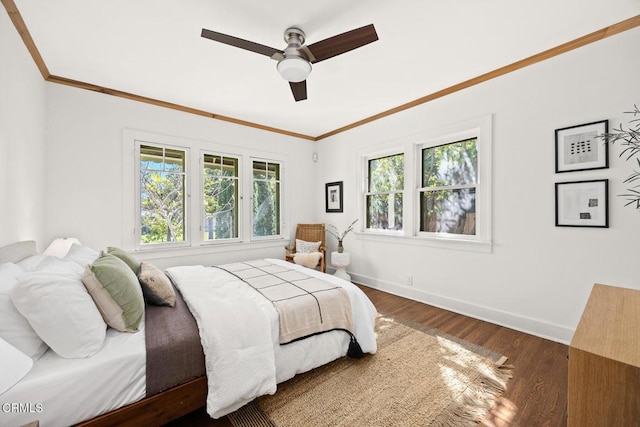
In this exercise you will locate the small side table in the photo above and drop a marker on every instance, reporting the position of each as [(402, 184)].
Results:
[(341, 261)]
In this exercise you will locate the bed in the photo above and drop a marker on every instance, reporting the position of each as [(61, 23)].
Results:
[(125, 381)]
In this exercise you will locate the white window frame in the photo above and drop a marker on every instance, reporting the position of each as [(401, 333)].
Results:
[(459, 137), (411, 146), (239, 201), (366, 192), (249, 183), (195, 207), (138, 205)]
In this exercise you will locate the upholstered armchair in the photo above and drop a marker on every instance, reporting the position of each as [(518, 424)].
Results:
[(308, 235)]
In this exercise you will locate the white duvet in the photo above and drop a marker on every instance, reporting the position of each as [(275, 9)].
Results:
[(240, 336)]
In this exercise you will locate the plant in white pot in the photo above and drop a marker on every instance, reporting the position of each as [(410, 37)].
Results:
[(339, 236), (630, 139)]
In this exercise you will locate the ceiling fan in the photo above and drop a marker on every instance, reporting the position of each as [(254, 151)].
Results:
[(294, 62)]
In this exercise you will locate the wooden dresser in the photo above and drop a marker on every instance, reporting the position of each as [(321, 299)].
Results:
[(604, 360)]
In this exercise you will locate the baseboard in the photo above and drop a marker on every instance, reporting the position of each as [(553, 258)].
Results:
[(510, 320)]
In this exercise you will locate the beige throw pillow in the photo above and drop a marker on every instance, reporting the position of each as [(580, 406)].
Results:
[(156, 286)]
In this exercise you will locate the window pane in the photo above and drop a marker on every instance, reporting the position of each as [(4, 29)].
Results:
[(151, 158), (162, 194), (162, 207), (259, 170), (377, 211), (220, 197), (174, 160), (386, 174), (449, 211), (384, 211), (450, 164), (266, 212), (273, 171), (397, 211), (266, 199)]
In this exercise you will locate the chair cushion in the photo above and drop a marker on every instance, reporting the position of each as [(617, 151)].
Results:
[(309, 259)]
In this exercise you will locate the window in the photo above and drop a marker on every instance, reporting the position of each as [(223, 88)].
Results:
[(266, 199), (448, 190), (384, 194), (162, 194), (183, 194), (430, 189), (220, 197)]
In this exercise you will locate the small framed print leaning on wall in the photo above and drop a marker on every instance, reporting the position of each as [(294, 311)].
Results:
[(581, 148), (582, 203)]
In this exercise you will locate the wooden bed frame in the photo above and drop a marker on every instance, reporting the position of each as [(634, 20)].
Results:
[(158, 409)]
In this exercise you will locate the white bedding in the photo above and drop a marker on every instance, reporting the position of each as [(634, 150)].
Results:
[(114, 377), (242, 366), (62, 392)]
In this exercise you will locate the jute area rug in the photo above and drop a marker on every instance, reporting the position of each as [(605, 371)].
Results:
[(417, 378)]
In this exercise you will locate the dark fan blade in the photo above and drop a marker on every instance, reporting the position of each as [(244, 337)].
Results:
[(336, 45), (299, 90), (241, 43)]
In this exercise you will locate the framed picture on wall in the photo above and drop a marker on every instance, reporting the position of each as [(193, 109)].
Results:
[(579, 148), (582, 203), (333, 196)]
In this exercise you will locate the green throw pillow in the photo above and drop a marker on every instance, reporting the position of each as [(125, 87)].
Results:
[(124, 256), (116, 291)]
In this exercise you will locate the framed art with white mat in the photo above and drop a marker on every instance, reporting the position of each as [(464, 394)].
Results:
[(582, 147), (582, 203)]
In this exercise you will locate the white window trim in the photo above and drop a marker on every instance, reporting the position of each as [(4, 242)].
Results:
[(365, 189), (240, 206), (137, 207), (249, 183), (130, 229), (481, 128)]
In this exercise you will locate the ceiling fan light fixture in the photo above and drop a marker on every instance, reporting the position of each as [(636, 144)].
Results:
[(294, 69)]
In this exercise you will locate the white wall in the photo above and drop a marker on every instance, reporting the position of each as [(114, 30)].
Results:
[(85, 169), (22, 140), (538, 276)]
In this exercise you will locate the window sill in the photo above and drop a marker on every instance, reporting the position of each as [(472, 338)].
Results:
[(207, 248), (431, 242)]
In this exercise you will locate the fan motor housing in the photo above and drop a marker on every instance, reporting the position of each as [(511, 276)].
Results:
[(294, 35)]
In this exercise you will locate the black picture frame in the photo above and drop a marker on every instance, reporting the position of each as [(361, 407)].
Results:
[(333, 196), (580, 148), (582, 203)]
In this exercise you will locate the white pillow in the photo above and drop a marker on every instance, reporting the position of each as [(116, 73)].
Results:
[(307, 247), (58, 306), (82, 255), (14, 328), (34, 261), (15, 365)]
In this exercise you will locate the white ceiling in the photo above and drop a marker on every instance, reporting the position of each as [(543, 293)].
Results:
[(153, 48)]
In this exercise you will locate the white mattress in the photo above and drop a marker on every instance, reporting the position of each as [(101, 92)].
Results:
[(62, 392)]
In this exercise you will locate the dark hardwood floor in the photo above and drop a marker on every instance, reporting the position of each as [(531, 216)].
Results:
[(535, 396)]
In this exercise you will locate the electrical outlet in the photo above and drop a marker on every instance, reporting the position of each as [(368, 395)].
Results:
[(409, 279)]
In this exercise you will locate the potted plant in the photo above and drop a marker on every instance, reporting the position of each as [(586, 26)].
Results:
[(630, 140), (332, 230)]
